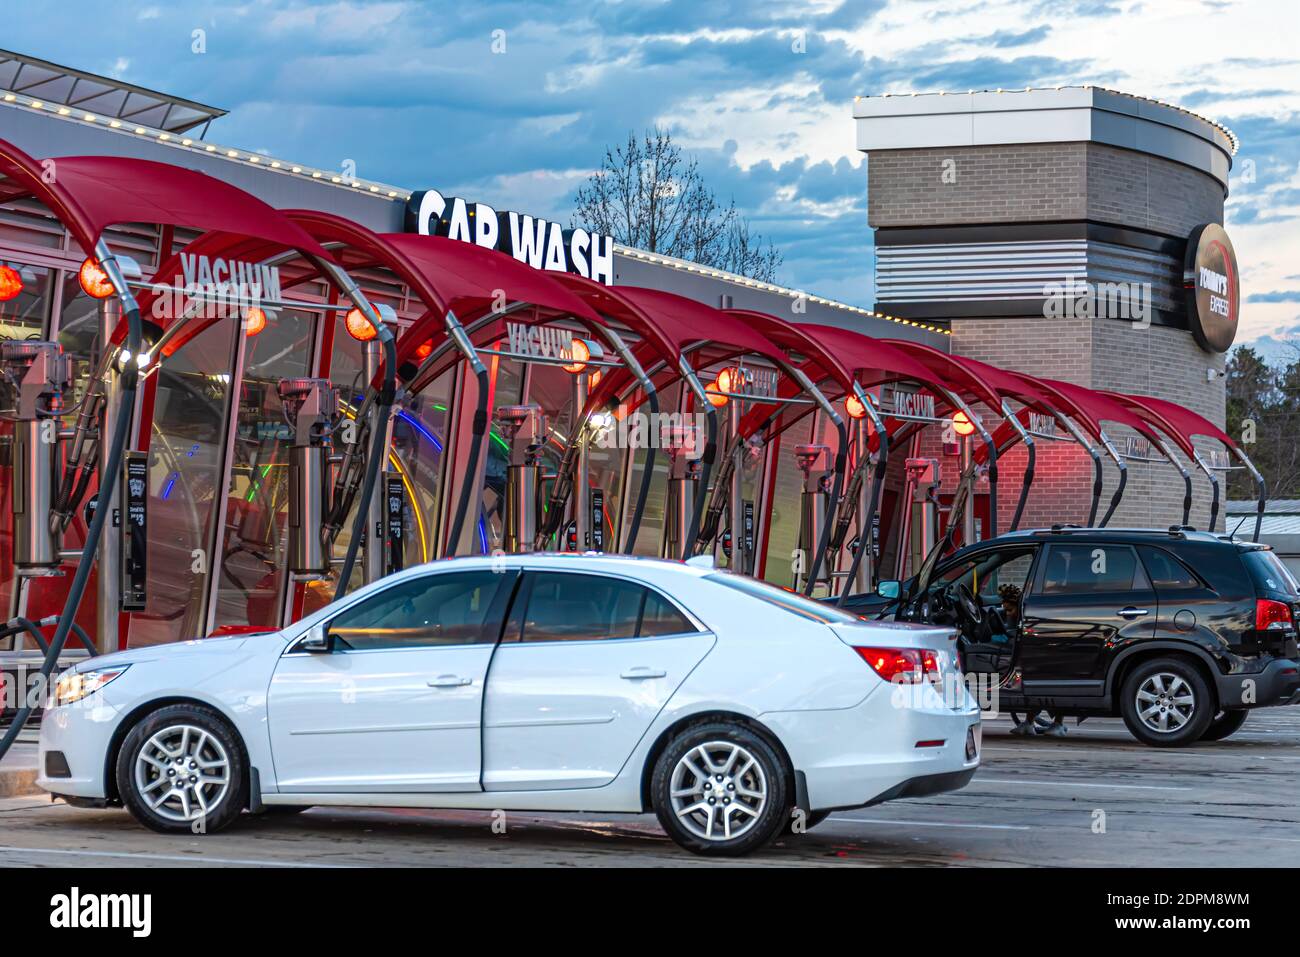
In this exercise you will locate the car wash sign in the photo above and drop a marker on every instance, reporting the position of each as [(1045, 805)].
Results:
[(1212, 288), (533, 241)]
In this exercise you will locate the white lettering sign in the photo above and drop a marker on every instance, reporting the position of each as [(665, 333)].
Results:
[(536, 242)]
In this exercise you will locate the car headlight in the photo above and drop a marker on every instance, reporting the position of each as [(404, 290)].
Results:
[(75, 685)]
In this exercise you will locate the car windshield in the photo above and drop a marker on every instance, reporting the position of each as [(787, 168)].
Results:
[(785, 599)]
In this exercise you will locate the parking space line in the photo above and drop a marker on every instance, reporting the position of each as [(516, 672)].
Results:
[(171, 858), (1145, 753), (980, 827), (1077, 784)]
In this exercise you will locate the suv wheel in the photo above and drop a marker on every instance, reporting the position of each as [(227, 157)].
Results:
[(1166, 703), (721, 789), (1226, 724), (181, 770)]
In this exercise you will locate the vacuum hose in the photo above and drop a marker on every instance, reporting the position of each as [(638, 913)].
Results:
[(107, 485), (471, 468), (383, 407)]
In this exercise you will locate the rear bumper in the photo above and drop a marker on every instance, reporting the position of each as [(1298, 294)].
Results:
[(879, 749), (927, 784), (1278, 683)]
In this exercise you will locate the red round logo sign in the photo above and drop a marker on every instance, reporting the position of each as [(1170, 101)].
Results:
[(1212, 287)]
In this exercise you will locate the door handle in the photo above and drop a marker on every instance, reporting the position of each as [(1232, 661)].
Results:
[(633, 674), (1130, 612), (449, 681)]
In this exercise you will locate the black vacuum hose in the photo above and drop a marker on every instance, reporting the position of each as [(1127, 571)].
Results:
[(475, 448), (107, 485), (380, 439), (706, 470), (647, 475)]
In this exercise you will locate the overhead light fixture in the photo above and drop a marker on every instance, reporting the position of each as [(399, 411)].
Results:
[(254, 321), (94, 280), (359, 326), (11, 283)]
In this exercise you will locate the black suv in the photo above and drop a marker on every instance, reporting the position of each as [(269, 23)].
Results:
[(1179, 632)]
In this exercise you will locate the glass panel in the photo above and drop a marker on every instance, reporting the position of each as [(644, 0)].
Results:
[(253, 563), (185, 449), (446, 609), (660, 617), (649, 540), (508, 391), (1084, 569), (783, 538), (419, 437), (21, 317), (565, 607)]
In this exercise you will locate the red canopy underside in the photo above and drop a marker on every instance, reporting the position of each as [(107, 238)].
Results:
[(110, 190)]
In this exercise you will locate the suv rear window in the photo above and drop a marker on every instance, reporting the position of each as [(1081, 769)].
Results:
[(1267, 571)]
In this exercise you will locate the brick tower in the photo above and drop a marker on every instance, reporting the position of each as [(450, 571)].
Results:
[(1002, 212)]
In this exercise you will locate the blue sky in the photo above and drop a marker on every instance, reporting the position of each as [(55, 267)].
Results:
[(414, 94)]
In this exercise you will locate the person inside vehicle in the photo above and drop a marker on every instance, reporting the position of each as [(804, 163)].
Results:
[(1008, 620)]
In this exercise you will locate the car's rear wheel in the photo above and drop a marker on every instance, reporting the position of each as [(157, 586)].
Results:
[(721, 789), (1225, 725), (182, 769), (1166, 703)]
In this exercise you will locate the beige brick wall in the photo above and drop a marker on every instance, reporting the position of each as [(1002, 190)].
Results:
[(1048, 182)]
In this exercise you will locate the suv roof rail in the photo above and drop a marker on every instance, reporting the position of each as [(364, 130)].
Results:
[(1064, 527), (1180, 531)]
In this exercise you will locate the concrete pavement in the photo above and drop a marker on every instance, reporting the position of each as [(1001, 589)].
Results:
[(1095, 799)]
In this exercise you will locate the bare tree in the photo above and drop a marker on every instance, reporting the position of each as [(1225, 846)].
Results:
[(648, 195)]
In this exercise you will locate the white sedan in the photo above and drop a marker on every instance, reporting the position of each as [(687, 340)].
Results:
[(732, 709)]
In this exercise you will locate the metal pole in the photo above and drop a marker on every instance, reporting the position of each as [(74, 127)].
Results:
[(968, 516), (581, 487), (373, 567), (739, 559), (108, 582)]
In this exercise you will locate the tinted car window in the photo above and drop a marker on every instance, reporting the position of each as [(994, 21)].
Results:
[(661, 617), (1268, 572), (446, 609), (1082, 569), (985, 573), (1166, 572), (565, 607)]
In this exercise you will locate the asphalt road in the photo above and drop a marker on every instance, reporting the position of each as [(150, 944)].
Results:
[(1094, 798)]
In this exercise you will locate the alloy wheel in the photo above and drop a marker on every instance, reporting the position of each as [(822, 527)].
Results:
[(182, 773), (1165, 702), (718, 790)]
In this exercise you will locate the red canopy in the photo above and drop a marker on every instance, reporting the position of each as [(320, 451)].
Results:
[(1184, 420), (91, 193)]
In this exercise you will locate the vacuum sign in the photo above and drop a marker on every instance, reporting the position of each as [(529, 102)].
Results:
[(1213, 290), (533, 241)]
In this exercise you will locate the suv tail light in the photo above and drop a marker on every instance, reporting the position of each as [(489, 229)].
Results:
[(907, 666), (1272, 615)]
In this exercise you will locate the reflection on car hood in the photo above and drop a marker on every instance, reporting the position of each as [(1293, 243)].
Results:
[(200, 646)]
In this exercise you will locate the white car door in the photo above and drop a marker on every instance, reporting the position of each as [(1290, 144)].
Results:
[(395, 705), (586, 664)]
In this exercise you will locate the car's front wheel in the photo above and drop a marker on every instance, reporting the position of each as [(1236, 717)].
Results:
[(721, 789), (1166, 703), (181, 769), (1225, 725)]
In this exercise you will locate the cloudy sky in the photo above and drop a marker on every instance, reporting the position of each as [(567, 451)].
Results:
[(760, 90)]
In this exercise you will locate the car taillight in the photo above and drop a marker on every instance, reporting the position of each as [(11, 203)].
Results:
[(907, 666), (1272, 615)]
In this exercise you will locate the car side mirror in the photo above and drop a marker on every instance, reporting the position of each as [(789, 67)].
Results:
[(889, 588), (318, 641)]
